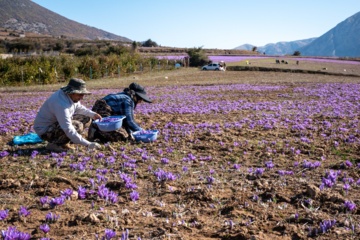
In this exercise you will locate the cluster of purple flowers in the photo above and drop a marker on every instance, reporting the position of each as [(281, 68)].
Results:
[(311, 165), (109, 234), (329, 180), (162, 175), (57, 201), (324, 227), (129, 184), (284, 172), (13, 234), (109, 196), (66, 193), (110, 120), (189, 157)]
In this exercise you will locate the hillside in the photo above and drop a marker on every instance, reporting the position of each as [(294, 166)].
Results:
[(279, 48), (341, 41), (29, 17)]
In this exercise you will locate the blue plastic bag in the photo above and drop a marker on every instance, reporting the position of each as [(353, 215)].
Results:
[(30, 138)]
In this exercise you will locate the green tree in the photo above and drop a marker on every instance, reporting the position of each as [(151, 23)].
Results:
[(149, 43), (197, 57), (297, 53)]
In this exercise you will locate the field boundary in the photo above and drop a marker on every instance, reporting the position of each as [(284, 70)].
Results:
[(266, 69)]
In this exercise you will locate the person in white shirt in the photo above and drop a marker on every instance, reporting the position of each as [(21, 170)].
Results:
[(62, 118)]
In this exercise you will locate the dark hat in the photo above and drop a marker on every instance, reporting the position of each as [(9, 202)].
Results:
[(140, 91), (76, 85)]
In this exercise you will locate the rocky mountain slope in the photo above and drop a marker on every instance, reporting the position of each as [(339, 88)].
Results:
[(27, 16), (341, 41)]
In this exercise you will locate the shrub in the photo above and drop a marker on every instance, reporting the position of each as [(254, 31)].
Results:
[(197, 57)]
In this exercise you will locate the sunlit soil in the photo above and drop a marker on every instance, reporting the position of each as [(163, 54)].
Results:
[(239, 155)]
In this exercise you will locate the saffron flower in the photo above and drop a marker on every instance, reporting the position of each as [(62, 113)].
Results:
[(44, 200), (13, 233), (51, 217), (109, 234), (4, 214), (134, 195), (45, 228), (23, 211), (350, 206)]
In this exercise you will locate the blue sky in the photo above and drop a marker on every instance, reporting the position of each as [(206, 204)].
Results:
[(222, 24)]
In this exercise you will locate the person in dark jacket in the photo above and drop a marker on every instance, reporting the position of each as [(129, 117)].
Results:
[(123, 103)]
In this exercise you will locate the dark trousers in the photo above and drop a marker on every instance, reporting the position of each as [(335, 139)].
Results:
[(56, 135)]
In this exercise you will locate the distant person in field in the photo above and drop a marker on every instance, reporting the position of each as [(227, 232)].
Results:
[(62, 118), (122, 103)]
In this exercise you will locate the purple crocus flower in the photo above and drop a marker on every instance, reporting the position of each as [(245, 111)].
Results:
[(4, 214), (125, 235), (67, 193), (350, 205), (57, 201), (210, 180), (134, 195), (112, 197), (109, 234), (23, 211), (44, 200), (346, 187), (45, 228), (269, 164), (348, 163), (4, 154), (51, 217), (164, 160), (259, 171), (236, 166), (12, 233), (81, 192)]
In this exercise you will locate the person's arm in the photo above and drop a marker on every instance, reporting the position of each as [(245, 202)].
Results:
[(82, 110), (63, 116), (129, 113)]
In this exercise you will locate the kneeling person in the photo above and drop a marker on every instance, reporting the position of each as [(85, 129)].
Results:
[(62, 118), (123, 103)]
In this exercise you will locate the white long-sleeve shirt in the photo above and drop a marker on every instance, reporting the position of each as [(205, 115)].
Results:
[(60, 108)]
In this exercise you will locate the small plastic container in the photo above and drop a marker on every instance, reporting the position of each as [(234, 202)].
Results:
[(145, 136), (109, 124)]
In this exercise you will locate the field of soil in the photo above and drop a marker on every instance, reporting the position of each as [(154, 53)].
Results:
[(240, 155)]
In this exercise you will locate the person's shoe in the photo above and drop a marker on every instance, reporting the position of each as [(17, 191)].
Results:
[(91, 133), (68, 146), (55, 148)]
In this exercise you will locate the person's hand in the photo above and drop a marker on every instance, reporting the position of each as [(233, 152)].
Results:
[(94, 145), (97, 116), (131, 137)]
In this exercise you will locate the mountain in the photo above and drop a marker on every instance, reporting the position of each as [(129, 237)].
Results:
[(280, 48), (27, 16), (341, 41)]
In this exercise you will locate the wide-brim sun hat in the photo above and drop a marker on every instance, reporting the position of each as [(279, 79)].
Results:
[(76, 85), (140, 91)]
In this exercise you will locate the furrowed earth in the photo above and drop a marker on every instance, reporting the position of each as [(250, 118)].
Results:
[(240, 155)]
